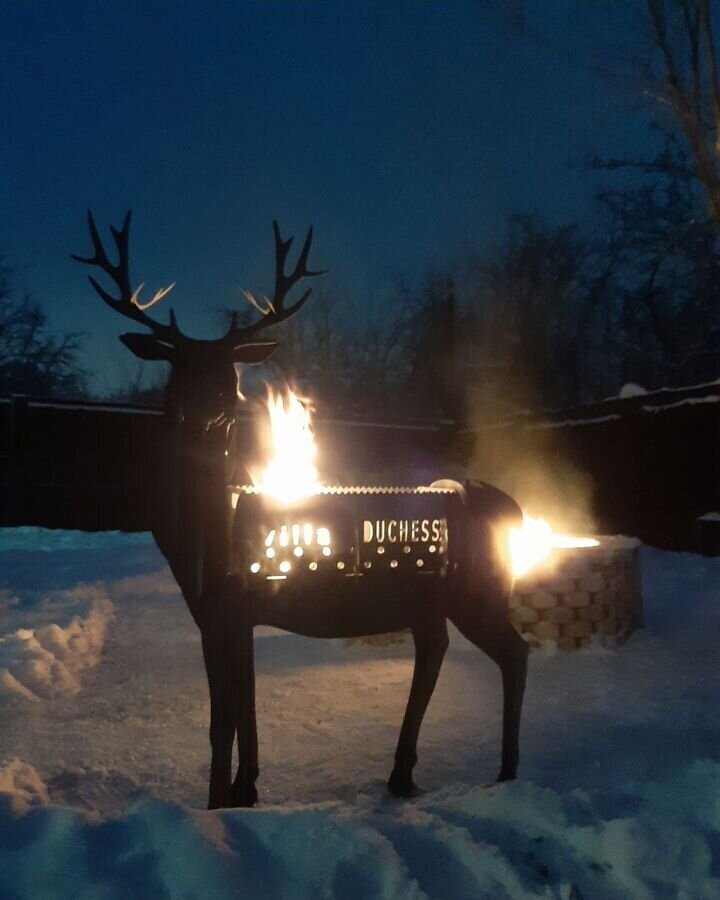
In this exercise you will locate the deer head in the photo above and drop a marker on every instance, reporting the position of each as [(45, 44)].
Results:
[(203, 384)]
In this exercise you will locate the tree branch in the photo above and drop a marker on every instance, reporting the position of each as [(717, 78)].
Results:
[(706, 23)]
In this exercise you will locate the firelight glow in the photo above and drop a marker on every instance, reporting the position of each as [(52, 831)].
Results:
[(291, 473), (534, 543)]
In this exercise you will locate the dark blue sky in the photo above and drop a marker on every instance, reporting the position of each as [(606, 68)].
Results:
[(405, 131)]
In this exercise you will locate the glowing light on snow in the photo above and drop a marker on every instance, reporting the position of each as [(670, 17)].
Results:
[(534, 542)]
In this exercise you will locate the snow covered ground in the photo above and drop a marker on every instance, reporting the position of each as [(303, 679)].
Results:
[(104, 751)]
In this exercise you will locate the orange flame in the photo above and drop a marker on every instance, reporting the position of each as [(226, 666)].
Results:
[(290, 474), (533, 543)]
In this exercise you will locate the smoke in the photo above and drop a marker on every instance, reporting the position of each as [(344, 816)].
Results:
[(530, 459)]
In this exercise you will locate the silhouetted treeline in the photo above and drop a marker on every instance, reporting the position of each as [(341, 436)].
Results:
[(553, 316), (34, 359)]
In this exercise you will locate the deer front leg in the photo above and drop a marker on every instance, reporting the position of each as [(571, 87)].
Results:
[(244, 792), (222, 719), (431, 642)]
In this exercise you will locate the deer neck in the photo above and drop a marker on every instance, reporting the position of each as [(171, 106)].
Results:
[(193, 528)]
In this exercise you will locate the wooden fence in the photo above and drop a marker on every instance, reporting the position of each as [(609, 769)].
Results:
[(647, 466), (93, 466), (650, 465)]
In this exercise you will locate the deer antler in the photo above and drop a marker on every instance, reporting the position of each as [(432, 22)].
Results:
[(128, 303), (276, 311)]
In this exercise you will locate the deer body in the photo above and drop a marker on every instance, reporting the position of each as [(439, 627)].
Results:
[(193, 529)]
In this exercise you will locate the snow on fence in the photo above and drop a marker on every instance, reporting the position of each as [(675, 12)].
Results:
[(592, 593)]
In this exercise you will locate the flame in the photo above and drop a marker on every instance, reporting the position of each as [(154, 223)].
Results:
[(291, 472), (534, 543)]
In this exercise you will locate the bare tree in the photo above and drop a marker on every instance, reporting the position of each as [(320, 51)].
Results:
[(33, 360), (667, 327), (673, 61), (647, 291), (137, 382), (686, 56), (390, 357), (537, 304)]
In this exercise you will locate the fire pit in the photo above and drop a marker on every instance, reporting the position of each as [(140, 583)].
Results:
[(348, 532), (590, 593)]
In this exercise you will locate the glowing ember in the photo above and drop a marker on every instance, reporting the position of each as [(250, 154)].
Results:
[(534, 543), (291, 472)]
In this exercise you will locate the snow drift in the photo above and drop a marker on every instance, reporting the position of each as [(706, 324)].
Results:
[(49, 661), (516, 841), (619, 796)]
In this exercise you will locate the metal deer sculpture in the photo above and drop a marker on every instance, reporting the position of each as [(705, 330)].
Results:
[(194, 529)]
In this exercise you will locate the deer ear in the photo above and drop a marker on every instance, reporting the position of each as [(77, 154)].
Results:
[(252, 354), (145, 346)]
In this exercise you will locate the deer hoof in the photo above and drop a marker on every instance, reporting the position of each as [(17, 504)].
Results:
[(220, 799), (506, 776), (244, 796), (401, 785)]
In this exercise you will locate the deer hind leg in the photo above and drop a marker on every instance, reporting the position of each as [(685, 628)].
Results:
[(431, 642), (496, 637), (244, 792)]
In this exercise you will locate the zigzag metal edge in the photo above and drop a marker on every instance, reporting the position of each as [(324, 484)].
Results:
[(345, 490)]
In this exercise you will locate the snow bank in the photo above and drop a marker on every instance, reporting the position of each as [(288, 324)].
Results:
[(659, 840), (48, 661), (710, 517), (21, 786), (631, 390), (509, 841)]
